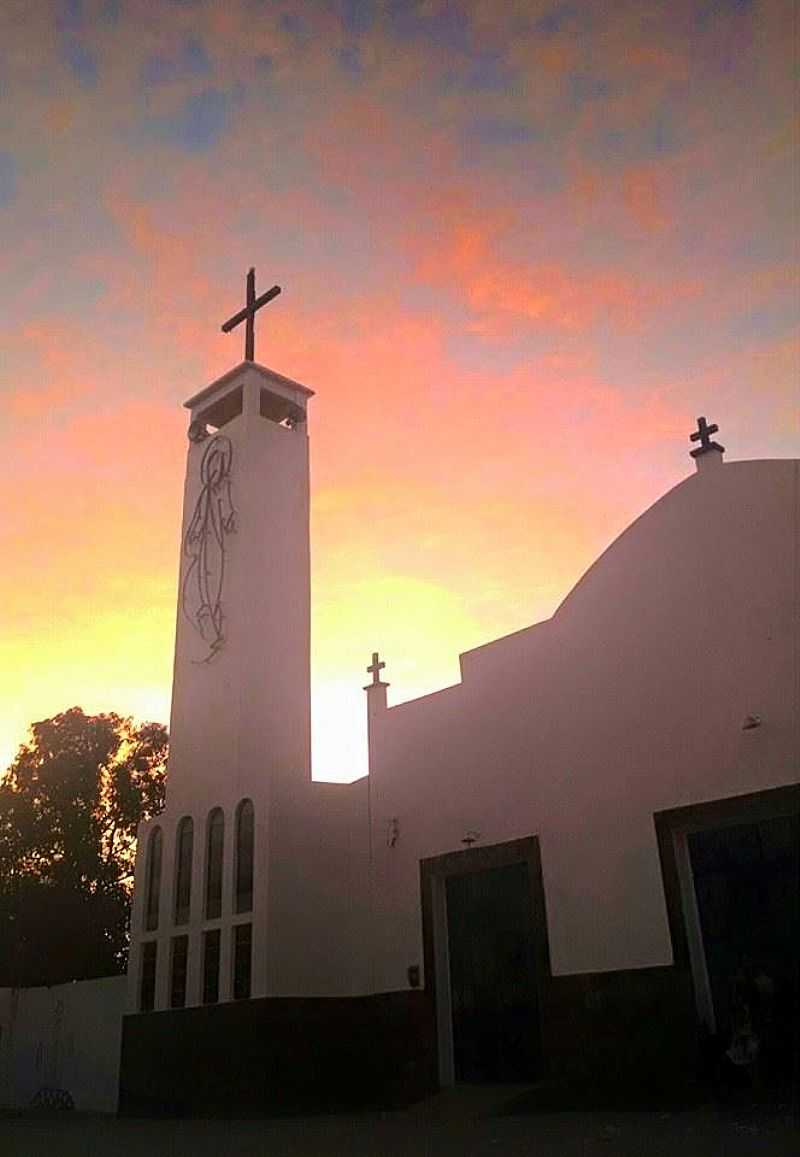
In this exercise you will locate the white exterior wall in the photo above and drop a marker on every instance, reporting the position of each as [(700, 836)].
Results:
[(319, 866), (630, 700), (64, 1037), (242, 721), (240, 728)]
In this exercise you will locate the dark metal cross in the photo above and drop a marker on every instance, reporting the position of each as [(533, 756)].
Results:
[(253, 304), (375, 669), (703, 435)]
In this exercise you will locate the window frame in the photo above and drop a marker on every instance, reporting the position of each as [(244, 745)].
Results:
[(214, 866), (154, 858), (244, 858), (184, 861)]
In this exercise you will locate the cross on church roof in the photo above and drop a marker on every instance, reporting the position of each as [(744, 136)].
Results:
[(375, 669), (249, 312), (703, 435)]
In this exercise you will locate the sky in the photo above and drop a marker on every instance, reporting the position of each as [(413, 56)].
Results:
[(522, 246)]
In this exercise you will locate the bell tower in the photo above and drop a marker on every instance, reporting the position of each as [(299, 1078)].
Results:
[(240, 698), (240, 748)]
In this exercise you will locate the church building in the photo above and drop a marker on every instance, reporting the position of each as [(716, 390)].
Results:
[(554, 870)]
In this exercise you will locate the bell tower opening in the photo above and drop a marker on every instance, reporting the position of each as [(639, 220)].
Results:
[(223, 410)]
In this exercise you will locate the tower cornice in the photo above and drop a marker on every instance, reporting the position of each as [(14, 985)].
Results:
[(270, 377)]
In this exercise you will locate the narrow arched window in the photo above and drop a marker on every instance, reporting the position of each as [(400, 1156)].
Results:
[(152, 887), (215, 842), (243, 878), (183, 870)]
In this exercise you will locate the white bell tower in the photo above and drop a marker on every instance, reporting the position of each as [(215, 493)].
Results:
[(240, 697), (240, 720)]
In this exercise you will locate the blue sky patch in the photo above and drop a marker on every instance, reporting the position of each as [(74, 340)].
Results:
[(350, 61), (499, 131), (81, 61), (705, 13), (556, 20), (70, 15), (296, 26), (445, 26), (585, 87), (190, 60), (200, 123), (357, 16), (488, 72), (653, 138), (8, 179)]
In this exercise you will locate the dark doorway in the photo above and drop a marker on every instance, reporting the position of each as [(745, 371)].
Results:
[(493, 974), (746, 883)]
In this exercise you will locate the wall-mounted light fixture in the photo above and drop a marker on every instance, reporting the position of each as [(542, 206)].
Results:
[(751, 721), (393, 832), (471, 837)]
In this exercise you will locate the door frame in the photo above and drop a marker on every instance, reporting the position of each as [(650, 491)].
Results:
[(434, 872), (673, 828)]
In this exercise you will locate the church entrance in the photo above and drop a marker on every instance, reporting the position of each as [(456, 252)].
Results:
[(746, 884), (735, 913), (487, 956), (492, 970)]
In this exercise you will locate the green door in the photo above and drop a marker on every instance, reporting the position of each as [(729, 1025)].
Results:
[(492, 975)]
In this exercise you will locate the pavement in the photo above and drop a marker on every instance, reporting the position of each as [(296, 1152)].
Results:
[(467, 1122)]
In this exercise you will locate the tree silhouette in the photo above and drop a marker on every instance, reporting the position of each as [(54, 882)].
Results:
[(69, 807)]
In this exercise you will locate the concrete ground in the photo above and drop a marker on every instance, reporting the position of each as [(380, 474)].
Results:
[(467, 1122)]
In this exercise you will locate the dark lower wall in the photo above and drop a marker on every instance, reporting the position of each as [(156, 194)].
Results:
[(622, 1032), (279, 1055), (614, 1036)]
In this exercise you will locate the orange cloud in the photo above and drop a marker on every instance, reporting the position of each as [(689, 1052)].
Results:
[(466, 253)]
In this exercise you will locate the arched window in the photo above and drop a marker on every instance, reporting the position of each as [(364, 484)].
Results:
[(243, 876), (152, 887), (215, 842), (183, 870)]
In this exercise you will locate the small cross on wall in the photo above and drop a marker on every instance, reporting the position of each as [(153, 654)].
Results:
[(249, 314), (375, 669), (703, 435)]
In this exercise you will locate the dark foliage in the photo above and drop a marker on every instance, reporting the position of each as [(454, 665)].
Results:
[(69, 807)]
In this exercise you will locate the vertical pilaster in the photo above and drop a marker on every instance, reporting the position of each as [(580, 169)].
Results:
[(197, 910), (166, 916), (376, 712)]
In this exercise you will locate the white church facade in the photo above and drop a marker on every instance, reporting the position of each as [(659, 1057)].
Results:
[(554, 867)]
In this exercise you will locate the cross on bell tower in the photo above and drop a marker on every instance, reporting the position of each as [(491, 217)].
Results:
[(249, 313)]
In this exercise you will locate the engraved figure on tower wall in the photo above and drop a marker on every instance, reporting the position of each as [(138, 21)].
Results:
[(213, 519)]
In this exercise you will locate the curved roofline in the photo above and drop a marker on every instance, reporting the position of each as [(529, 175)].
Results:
[(690, 479)]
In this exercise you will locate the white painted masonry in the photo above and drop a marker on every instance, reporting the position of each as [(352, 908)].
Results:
[(630, 700), (65, 1037), (240, 728)]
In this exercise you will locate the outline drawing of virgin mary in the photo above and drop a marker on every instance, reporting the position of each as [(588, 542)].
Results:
[(213, 518)]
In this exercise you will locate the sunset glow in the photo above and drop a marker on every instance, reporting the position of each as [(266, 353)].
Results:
[(522, 247)]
